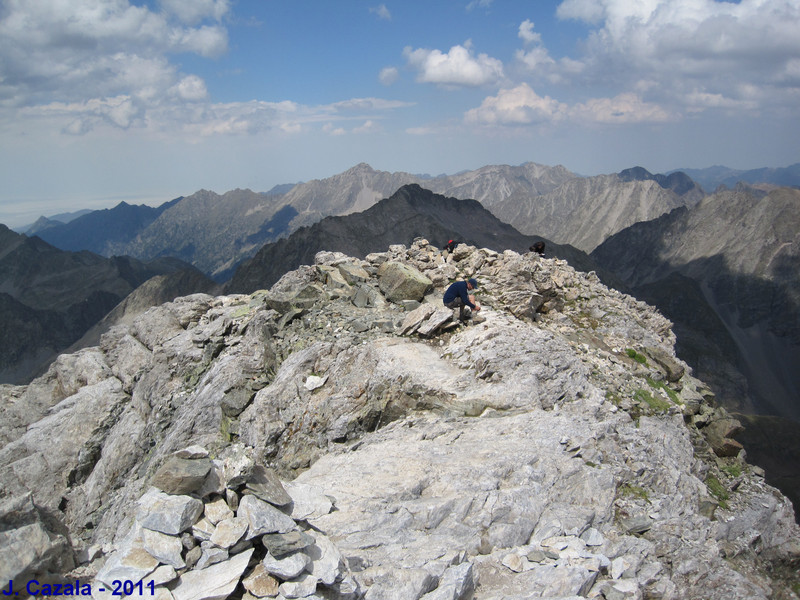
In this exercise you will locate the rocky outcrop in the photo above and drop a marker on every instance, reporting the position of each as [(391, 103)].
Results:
[(584, 211), (558, 448)]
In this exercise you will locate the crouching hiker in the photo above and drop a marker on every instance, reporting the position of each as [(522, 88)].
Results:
[(458, 296)]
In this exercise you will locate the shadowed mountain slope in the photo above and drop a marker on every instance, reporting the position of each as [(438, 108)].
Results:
[(741, 249), (105, 232), (51, 297), (409, 213)]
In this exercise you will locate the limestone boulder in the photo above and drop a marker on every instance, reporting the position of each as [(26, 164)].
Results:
[(399, 281)]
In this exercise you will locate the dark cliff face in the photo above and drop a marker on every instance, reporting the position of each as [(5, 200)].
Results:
[(51, 297), (409, 213)]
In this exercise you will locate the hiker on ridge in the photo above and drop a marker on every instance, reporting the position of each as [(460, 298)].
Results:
[(457, 295)]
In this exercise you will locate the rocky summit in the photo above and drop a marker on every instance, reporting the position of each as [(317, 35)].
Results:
[(343, 435)]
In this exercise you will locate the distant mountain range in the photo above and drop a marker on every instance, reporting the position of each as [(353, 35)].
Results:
[(216, 232), (713, 177)]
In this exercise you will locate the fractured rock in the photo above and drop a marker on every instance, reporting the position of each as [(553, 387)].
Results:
[(168, 513), (215, 582), (260, 583), (263, 518), (308, 501), (181, 475), (229, 532), (166, 548), (264, 483), (288, 566), (281, 544)]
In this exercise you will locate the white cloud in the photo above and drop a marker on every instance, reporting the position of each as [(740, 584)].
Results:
[(331, 129), (368, 126), (479, 4), (191, 88), (388, 75), (194, 11), (701, 49), (382, 12), (624, 108), (516, 106), (521, 105), (459, 67), (526, 33), (71, 51)]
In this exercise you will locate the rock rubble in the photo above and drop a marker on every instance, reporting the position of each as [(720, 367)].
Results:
[(343, 436)]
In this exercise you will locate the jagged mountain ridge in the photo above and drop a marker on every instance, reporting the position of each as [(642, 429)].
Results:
[(526, 456), (583, 212), (216, 232), (713, 177), (106, 232), (51, 297), (409, 213)]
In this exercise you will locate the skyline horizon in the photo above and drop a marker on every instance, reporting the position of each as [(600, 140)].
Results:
[(107, 203)]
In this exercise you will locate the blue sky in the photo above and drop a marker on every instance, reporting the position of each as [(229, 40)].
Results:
[(110, 100)]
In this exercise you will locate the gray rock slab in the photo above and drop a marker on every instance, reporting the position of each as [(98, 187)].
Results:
[(457, 583), (211, 555), (399, 281), (308, 501), (302, 587), (216, 582), (166, 548), (436, 320), (326, 559), (193, 451), (129, 564), (288, 566), (217, 510), (263, 518), (264, 483), (229, 531), (281, 544), (415, 318), (168, 513), (181, 475), (353, 273)]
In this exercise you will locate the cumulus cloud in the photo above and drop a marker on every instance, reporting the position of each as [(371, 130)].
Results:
[(701, 49), (516, 106), (624, 108), (82, 51), (459, 67), (194, 11)]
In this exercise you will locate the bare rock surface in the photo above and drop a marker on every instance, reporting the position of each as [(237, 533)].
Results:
[(555, 449)]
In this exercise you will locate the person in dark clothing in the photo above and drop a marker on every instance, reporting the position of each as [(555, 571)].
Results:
[(450, 246), (538, 247), (458, 296)]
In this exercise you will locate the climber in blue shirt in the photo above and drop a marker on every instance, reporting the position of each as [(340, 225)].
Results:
[(457, 295)]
